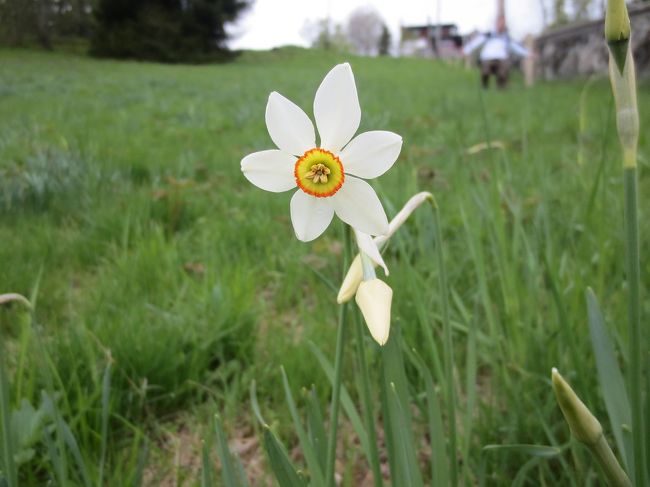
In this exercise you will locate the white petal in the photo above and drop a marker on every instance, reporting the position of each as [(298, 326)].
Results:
[(357, 204), (310, 215), (368, 247), (288, 126), (271, 170), (371, 154), (336, 108)]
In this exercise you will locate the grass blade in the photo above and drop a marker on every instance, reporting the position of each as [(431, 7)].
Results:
[(540, 451), (306, 445), (439, 459), (207, 472), (398, 419), (255, 404), (106, 395), (284, 472), (9, 468), (228, 472), (346, 400), (142, 463), (72, 444), (57, 461), (610, 378), (317, 434), (407, 469)]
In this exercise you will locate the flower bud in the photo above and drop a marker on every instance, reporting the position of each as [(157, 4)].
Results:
[(584, 425), (351, 281), (354, 275), (617, 31), (627, 114), (14, 297), (374, 298)]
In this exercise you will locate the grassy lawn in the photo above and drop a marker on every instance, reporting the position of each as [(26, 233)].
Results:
[(125, 218)]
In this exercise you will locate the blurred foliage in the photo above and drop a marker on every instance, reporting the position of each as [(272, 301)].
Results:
[(40, 21), (384, 41), (324, 34), (164, 30)]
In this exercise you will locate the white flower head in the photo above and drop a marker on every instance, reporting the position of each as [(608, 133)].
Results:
[(328, 177)]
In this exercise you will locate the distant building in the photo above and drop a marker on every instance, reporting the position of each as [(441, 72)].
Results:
[(432, 40), (579, 49)]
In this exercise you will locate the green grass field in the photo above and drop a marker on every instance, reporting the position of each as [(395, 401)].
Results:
[(125, 218)]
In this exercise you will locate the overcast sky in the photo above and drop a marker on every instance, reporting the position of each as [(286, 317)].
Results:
[(272, 23)]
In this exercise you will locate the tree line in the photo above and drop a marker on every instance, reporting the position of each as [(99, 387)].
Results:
[(158, 30)]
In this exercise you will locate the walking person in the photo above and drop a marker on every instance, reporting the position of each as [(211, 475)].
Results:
[(496, 48)]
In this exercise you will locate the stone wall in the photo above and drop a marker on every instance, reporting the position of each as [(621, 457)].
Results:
[(580, 50)]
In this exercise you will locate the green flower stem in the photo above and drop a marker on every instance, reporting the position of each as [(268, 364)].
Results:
[(338, 366), (616, 476), (366, 400), (634, 336), (448, 348), (7, 464)]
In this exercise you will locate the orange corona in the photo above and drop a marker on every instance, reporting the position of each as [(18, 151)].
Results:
[(319, 173)]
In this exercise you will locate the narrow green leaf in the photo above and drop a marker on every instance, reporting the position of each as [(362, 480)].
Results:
[(255, 404), (346, 401), (228, 472), (522, 474), (7, 448), (106, 395), (470, 387), (241, 472), (207, 472), (541, 451), (315, 471), (142, 463), (406, 458), (284, 472), (439, 458), (65, 433), (610, 378), (57, 461), (316, 424), (71, 441), (398, 419), (324, 279)]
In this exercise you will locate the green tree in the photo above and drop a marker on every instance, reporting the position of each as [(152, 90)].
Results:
[(164, 30), (384, 41), (42, 21)]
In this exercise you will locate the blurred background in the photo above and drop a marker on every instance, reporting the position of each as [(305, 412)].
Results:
[(209, 30)]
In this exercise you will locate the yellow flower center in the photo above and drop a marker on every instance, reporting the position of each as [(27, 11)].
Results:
[(319, 173)]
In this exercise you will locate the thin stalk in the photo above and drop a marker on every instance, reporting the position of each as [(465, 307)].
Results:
[(338, 366), (366, 400), (448, 349), (635, 336), (8, 465), (616, 476)]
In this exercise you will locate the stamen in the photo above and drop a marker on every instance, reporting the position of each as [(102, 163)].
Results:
[(319, 173)]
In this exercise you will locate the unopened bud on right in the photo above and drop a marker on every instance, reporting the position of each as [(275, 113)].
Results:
[(584, 425), (617, 31)]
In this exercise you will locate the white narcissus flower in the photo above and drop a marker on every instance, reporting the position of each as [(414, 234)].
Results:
[(328, 177)]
